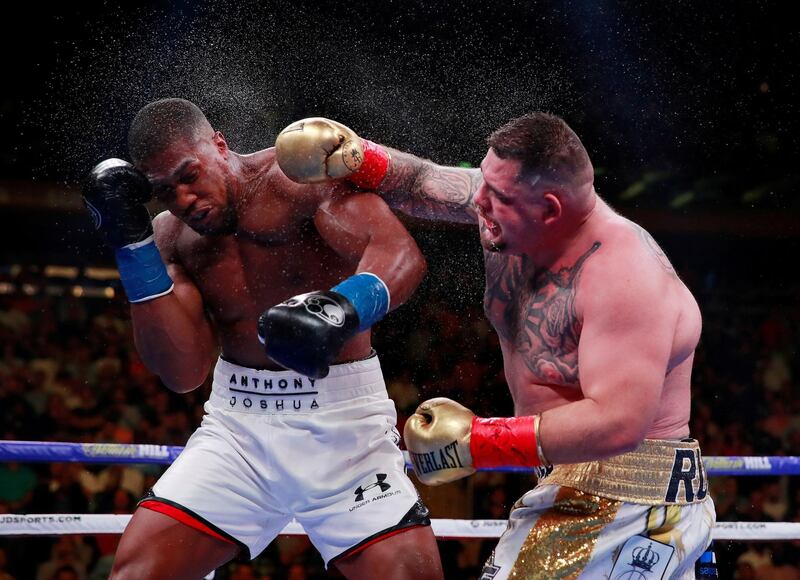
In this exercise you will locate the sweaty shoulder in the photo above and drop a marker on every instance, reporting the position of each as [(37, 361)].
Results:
[(631, 273), (273, 202), (166, 229), (629, 259)]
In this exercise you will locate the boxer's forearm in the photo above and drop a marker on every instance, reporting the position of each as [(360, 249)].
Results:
[(362, 228), (172, 344), (399, 264), (311, 151), (423, 189), (586, 431)]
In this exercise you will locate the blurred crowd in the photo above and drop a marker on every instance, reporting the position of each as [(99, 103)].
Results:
[(69, 372)]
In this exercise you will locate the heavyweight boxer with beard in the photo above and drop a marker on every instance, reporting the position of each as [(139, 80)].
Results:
[(598, 335), (251, 274)]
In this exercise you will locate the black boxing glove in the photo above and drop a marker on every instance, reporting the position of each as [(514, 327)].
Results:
[(115, 193), (307, 332)]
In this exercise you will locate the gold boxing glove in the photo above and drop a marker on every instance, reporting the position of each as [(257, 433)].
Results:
[(316, 150), (438, 440), (447, 441)]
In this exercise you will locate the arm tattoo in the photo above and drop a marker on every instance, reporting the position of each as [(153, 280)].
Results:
[(423, 189), (535, 312), (655, 250)]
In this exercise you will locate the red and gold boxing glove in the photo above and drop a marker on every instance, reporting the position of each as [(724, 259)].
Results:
[(447, 441), (317, 150)]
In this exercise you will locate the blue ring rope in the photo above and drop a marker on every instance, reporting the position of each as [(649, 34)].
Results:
[(47, 451)]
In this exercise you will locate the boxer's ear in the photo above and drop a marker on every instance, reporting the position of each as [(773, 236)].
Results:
[(221, 143), (552, 207)]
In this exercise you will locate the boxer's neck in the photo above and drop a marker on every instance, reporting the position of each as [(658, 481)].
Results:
[(248, 173), (562, 238)]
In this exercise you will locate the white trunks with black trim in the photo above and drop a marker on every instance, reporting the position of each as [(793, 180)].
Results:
[(276, 445)]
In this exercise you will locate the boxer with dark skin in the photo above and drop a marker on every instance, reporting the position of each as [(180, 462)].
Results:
[(598, 335), (239, 237)]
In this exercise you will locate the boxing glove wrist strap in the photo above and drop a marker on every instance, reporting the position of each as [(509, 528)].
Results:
[(368, 294), (373, 168), (505, 442), (142, 271)]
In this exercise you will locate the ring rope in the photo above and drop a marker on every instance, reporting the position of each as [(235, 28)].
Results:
[(57, 524), (48, 451), (61, 524)]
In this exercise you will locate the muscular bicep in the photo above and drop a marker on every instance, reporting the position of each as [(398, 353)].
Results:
[(167, 230), (172, 333), (625, 345), (424, 189), (188, 295), (362, 228)]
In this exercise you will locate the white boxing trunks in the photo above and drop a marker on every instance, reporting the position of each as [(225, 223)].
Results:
[(276, 445), (641, 515)]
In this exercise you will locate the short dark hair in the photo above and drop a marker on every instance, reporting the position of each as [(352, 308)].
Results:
[(545, 145), (159, 124)]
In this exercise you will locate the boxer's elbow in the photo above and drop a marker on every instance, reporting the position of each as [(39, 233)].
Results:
[(181, 385), (413, 262), (623, 434), (186, 378), (418, 264), (620, 443), (404, 272)]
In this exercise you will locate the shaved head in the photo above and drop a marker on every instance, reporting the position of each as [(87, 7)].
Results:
[(548, 149), (161, 123)]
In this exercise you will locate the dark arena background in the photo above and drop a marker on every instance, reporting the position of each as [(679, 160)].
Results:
[(688, 109)]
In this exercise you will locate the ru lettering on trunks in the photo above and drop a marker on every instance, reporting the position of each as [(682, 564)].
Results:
[(689, 474)]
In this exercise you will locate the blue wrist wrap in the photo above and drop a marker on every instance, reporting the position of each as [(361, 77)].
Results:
[(142, 271), (369, 296)]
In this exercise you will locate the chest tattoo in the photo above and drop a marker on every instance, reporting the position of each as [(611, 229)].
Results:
[(534, 311)]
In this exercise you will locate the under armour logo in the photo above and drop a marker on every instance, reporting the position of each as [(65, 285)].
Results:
[(381, 477)]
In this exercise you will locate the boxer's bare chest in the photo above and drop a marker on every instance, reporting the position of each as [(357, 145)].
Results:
[(240, 275), (534, 313)]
